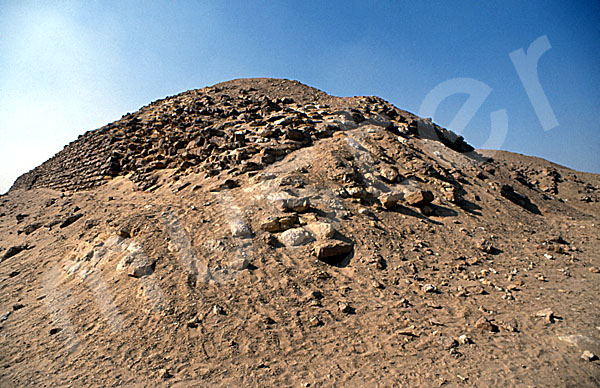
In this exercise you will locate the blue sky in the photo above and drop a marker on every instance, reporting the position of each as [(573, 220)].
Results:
[(67, 67)]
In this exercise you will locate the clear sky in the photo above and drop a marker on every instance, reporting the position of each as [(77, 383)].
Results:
[(67, 67)]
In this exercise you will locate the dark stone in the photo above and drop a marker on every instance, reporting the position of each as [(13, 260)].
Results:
[(71, 219), (55, 221), (89, 224), (15, 250), (32, 228), (331, 250), (250, 166), (226, 184), (519, 199), (124, 232), (427, 210), (21, 217)]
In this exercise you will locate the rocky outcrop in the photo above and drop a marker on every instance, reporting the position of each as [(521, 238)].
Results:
[(238, 126)]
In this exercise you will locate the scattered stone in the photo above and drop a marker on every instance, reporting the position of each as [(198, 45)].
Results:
[(317, 295), (379, 262), (192, 323), (32, 228), (588, 356), (308, 218), (404, 303), (164, 374), (390, 200), (20, 217), (547, 314), (357, 192), (321, 230), (15, 250), (485, 246), (464, 340), (407, 331), (519, 199), (365, 212), (268, 321), (239, 264), (218, 310), (345, 308), (89, 224), (448, 343), (389, 174), (55, 330), (595, 269), (419, 198), (275, 224), (227, 184), (541, 278), (17, 306), (270, 240), (182, 187), (5, 316), (298, 205), (486, 325), (271, 224), (429, 288), (462, 378), (136, 265), (71, 219), (315, 322), (295, 237), (451, 193), (53, 222), (240, 229), (124, 232), (332, 249), (511, 326), (140, 268), (249, 165), (378, 285), (558, 240)]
